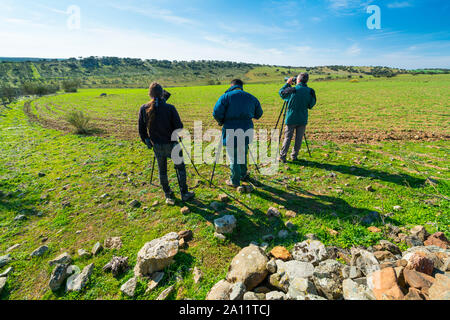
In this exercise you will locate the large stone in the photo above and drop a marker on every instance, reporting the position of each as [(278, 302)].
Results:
[(97, 248), (419, 262), (413, 241), (385, 245), (220, 291), (300, 286), (438, 239), (418, 280), (237, 291), (440, 290), (59, 274), (275, 295), (384, 285), (250, 296), (295, 269), (4, 260), (156, 255), (281, 253), (129, 287), (78, 281), (273, 212), (364, 260), (226, 224), (414, 294), (249, 267), (310, 251), (39, 251), (166, 293), (355, 291), (198, 275), (113, 243), (154, 281), (351, 272), (6, 272), (384, 256), (64, 258), (2, 284), (328, 279), (117, 265), (420, 232)]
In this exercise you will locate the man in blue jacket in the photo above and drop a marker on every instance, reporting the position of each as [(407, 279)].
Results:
[(234, 111), (300, 98)]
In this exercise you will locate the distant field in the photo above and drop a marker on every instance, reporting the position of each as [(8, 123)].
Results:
[(405, 107)]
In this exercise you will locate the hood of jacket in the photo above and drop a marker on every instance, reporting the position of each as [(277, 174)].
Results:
[(234, 88)]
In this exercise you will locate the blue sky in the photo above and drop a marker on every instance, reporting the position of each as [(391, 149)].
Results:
[(413, 34)]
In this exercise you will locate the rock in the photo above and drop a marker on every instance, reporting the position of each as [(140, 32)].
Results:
[(79, 281), (291, 214), (351, 272), (226, 224), (369, 188), (39, 251), (198, 275), (384, 255), (354, 291), (250, 296), (332, 232), (300, 286), (154, 281), (397, 208), (4, 260), (275, 295), (283, 234), (295, 269), (83, 254), (273, 212), (14, 247), (289, 225), (223, 198), (135, 204), (219, 236), (310, 251), (6, 272), (370, 218), (97, 248), (420, 232), (419, 262), (129, 287), (117, 265), (166, 293), (264, 290), (2, 284), (374, 229), (170, 202), (187, 235), (20, 217), (59, 274), (311, 236), (417, 280), (385, 245), (328, 279), (413, 241), (113, 243), (156, 255), (440, 290), (64, 258), (220, 291), (271, 266), (241, 189), (237, 291), (364, 260), (384, 285), (414, 294), (438, 239), (281, 253), (185, 210), (249, 267)]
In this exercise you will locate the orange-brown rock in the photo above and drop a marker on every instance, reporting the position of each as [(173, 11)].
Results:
[(374, 229), (417, 280), (437, 239), (414, 294), (281, 253), (385, 287), (419, 262)]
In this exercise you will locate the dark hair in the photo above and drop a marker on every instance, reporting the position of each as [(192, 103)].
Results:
[(156, 92), (237, 82)]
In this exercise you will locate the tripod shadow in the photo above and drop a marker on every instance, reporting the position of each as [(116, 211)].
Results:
[(400, 179)]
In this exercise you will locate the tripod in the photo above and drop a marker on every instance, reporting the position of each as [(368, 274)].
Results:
[(284, 112)]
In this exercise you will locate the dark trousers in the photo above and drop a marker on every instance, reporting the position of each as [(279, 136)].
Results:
[(162, 153), (299, 132), (238, 163)]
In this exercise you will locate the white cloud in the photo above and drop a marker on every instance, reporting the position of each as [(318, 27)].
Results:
[(354, 50)]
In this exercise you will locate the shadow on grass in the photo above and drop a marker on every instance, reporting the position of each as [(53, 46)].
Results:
[(400, 179)]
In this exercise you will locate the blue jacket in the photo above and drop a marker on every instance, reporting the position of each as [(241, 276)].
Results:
[(300, 98), (236, 109)]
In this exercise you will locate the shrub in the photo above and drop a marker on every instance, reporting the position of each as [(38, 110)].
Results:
[(70, 85), (79, 120)]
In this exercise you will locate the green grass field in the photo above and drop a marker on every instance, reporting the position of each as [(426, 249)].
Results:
[(80, 169)]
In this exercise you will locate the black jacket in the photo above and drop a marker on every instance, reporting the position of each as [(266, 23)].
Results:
[(167, 120)]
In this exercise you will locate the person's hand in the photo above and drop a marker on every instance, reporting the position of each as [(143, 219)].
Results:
[(290, 80)]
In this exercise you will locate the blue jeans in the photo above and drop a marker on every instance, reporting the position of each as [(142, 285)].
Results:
[(238, 163), (162, 153)]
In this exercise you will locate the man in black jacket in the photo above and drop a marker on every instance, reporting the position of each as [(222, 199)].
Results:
[(157, 122)]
